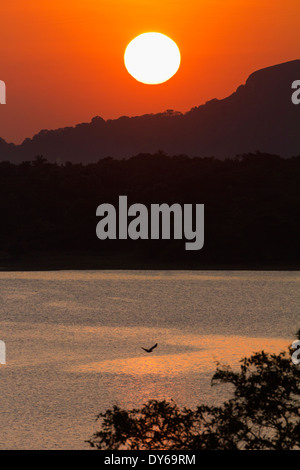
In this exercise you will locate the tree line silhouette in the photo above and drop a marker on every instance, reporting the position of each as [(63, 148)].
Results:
[(251, 203)]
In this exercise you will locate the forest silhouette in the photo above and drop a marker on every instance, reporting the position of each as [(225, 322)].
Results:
[(251, 203)]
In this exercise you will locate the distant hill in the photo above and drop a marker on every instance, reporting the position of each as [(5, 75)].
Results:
[(259, 116)]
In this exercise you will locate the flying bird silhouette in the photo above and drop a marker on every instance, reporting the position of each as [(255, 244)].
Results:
[(151, 349)]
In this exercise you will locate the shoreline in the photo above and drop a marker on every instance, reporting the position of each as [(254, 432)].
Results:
[(91, 261)]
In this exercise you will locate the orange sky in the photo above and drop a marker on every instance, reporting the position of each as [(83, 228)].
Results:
[(62, 60)]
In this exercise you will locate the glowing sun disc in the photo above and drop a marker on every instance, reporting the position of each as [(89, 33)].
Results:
[(152, 58)]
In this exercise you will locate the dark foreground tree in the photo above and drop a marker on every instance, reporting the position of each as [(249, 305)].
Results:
[(264, 413)]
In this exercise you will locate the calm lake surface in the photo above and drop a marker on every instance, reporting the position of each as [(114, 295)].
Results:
[(74, 342)]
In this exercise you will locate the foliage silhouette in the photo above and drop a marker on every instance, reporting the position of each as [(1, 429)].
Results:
[(263, 414)]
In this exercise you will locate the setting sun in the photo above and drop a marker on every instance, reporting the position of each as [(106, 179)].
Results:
[(152, 58)]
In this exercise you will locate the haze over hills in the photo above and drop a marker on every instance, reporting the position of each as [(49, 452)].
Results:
[(259, 116)]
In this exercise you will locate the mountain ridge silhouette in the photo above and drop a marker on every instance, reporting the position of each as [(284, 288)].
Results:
[(258, 116)]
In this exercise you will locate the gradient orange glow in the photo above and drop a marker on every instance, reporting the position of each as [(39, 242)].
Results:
[(62, 61)]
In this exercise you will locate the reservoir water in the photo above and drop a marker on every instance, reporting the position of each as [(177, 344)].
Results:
[(74, 339)]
